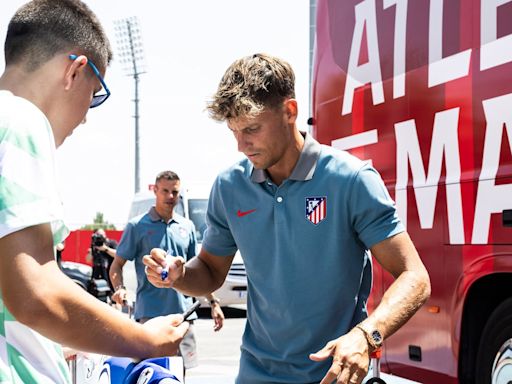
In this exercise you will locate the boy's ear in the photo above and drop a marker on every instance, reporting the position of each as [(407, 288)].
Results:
[(75, 68)]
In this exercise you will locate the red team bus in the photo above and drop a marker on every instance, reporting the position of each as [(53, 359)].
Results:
[(423, 90)]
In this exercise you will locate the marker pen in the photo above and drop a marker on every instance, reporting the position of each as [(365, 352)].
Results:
[(165, 271)]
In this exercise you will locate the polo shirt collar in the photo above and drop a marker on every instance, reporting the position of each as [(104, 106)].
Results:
[(153, 214), (305, 167)]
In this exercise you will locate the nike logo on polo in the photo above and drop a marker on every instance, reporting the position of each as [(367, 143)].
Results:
[(244, 213)]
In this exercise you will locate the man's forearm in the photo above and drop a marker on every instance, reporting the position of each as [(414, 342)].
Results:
[(61, 311), (198, 279), (110, 251), (400, 302), (116, 276)]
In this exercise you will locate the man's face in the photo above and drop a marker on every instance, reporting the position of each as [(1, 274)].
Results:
[(167, 194), (265, 138)]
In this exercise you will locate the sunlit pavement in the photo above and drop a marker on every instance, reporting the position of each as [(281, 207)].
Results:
[(219, 352)]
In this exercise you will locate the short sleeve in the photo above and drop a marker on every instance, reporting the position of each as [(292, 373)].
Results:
[(127, 248), (218, 239), (372, 211)]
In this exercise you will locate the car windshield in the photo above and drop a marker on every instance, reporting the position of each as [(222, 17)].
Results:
[(197, 213)]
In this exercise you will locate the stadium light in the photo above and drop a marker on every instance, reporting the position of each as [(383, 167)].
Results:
[(131, 57)]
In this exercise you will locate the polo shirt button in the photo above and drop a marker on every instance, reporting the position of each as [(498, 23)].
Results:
[(279, 199)]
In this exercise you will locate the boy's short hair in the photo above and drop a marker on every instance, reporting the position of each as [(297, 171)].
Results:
[(250, 85), (41, 29)]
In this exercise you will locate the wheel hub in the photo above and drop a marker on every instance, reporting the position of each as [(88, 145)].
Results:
[(502, 367)]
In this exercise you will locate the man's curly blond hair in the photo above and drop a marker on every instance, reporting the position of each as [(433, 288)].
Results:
[(250, 85)]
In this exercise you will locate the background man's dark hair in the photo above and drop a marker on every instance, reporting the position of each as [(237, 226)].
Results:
[(166, 175), (41, 29)]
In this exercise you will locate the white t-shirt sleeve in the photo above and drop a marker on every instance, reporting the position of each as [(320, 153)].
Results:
[(28, 192)]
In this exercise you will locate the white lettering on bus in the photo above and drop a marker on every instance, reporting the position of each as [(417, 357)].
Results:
[(357, 140), (399, 46), (442, 70), (492, 198), (494, 51), (444, 142), (369, 72)]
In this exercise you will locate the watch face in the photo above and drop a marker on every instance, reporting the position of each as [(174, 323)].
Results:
[(377, 337)]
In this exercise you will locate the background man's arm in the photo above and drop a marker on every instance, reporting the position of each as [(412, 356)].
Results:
[(116, 278), (216, 311)]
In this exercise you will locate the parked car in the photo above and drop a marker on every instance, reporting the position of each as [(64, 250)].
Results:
[(234, 289), (81, 274)]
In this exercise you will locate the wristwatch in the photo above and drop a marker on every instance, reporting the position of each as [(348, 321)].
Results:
[(373, 337), (214, 300)]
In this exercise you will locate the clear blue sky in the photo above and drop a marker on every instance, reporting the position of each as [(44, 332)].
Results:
[(188, 45)]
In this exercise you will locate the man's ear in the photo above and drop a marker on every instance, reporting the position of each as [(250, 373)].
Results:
[(73, 70), (291, 110)]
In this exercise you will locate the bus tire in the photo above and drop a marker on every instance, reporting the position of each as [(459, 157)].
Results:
[(493, 363)]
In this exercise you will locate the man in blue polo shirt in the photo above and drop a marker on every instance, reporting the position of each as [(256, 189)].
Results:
[(160, 227), (304, 217)]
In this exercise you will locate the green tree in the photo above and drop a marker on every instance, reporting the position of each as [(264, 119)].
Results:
[(99, 222)]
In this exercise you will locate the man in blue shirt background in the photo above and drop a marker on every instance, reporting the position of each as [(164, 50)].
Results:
[(304, 217), (163, 228)]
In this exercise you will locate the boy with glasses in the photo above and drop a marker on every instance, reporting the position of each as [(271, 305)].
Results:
[(56, 54)]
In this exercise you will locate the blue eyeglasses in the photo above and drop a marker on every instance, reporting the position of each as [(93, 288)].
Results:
[(96, 99)]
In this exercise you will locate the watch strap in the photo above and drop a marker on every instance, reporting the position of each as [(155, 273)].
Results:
[(214, 301), (374, 338)]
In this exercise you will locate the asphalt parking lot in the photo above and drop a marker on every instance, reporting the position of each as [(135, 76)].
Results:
[(218, 352)]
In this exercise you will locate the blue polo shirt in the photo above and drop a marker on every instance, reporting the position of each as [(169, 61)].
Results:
[(141, 235), (305, 248)]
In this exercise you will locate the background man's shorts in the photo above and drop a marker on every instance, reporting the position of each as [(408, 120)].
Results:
[(187, 348)]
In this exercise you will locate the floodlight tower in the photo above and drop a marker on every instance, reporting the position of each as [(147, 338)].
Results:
[(131, 56)]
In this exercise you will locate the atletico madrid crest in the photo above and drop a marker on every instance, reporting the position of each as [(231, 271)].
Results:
[(316, 209)]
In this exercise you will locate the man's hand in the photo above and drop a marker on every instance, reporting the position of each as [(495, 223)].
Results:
[(169, 330), (217, 316), (120, 295), (158, 261), (101, 248), (350, 358)]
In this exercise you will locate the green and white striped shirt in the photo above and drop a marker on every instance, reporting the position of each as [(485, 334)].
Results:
[(28, 196)]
